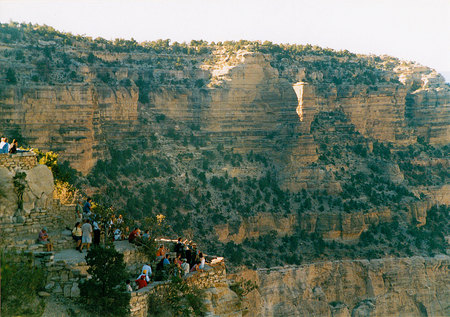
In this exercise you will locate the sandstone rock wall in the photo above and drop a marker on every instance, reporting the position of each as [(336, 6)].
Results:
[(329, 225), (384, 287), (75, 120), (246, 103)]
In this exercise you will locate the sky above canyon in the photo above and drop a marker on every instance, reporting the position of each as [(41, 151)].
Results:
[(415, 30)]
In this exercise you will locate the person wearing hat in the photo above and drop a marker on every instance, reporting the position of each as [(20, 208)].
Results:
[(144, 274), (147, 270), (185, 266)]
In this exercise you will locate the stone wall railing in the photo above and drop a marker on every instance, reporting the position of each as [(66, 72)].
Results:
[(212, 276), (22, 160)]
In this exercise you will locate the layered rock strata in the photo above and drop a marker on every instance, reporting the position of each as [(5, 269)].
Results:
[(74, 120), (414, 286)]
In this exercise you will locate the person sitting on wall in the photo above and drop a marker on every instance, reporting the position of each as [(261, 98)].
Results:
[(147, 270), (87, 208), (13, 147), (77, 233), (4, 146), (129, 288), (43, 239), (166, 260), (160, 253), (117, 235), (134, 235), (200, 264), (144, 273), (141, 282), (146, 235), (185, 266), (177, 260)]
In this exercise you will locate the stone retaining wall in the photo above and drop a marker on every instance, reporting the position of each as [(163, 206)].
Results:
[(210, 277), (24, 161), (62, 278), (21, 231)]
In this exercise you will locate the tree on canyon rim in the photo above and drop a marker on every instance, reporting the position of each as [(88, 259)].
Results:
[(105, 293)]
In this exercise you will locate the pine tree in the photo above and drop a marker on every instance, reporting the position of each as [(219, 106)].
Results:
[(105, 293)]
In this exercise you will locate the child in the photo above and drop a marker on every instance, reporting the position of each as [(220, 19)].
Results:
[(129, 288)]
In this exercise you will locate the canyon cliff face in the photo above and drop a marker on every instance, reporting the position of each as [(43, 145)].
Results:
[(245, 100), (75, 120), (384, 287)]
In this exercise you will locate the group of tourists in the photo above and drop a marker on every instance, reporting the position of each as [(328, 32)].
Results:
[(186, 252), (87, 229), (10, 148), (179, 266)]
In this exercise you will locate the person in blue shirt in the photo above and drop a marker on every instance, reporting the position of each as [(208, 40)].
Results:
[(87, 208), (4, 146), (166, 260)]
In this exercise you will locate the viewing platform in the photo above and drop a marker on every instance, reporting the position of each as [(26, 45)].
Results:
[(20, 160)]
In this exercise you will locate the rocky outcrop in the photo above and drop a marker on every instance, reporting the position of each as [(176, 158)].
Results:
[(414, 286), (38, 191)]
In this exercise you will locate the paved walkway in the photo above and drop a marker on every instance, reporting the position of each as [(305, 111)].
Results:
[(74, 257)]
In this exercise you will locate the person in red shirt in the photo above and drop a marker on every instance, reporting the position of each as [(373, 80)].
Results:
[(141, 282), (133, 235)]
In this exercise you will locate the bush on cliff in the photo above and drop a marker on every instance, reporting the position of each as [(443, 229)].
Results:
[(176, 298), (105, 293), (20, 283)]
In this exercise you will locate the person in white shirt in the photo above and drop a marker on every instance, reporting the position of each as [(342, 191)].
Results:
[(86, 238), (129, 288), (144, 274), (202, 261), (96, 228), (117, 235), (185, 266), (147, 270)]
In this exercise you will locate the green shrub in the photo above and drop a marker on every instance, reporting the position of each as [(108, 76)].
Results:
[(20, 283), (105, 294), (243, 287), (11, 76), (176, 298)]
